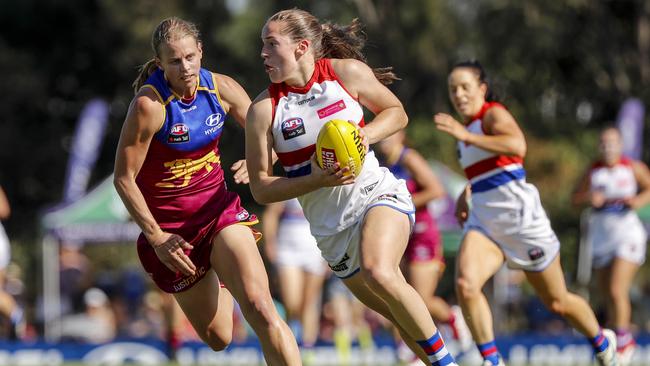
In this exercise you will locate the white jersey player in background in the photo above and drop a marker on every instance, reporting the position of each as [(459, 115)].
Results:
[(506, 222), (361, 223), (614, 186), (300, 269)]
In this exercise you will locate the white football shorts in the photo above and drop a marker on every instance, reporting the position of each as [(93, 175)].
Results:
[(298, 248), (341, 250), (617, 234), (512, 216)]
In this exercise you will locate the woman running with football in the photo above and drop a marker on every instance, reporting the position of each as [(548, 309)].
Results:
[(195, 234), (614, 186), (361, 223), (506, 222)]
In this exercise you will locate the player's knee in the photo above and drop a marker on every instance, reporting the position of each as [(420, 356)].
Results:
[(556, 305), (258, 308), (467, 289), (379, 279), (219, 339), (617, 292)]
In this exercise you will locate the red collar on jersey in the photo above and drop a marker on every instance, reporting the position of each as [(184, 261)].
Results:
[(484, 109)]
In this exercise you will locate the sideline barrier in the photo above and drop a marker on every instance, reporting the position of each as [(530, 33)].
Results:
[(523, 350)]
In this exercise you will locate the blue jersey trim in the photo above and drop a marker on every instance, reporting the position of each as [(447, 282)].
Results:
[(498, 180), (618, 207), (305, 170)]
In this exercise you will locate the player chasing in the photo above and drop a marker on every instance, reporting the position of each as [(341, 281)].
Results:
[(195, 234), (506, 222), (361, 223), (614, 187)]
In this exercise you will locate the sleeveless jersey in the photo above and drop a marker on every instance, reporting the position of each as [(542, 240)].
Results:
[(616, 182), (298, 115), (181, 176), (487, 170)]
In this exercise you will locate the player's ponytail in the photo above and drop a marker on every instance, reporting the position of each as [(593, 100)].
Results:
[(144, 72), (329, 40), (340, 41), (168, 30)]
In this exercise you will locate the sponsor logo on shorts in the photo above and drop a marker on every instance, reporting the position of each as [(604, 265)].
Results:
[(423, 253), (243, 215), (179, 133), (387, 197), (341, 266), (535, 254), (293, 127), (367, 189), (331, 109), (186, 281)]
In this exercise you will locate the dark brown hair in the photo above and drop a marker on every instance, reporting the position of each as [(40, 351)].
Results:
[(476, 66), (170, 29), (329, 40)]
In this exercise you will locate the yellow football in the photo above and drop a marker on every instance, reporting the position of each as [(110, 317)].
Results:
[(339, 141)]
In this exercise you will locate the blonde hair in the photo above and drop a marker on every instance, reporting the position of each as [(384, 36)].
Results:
[(169, 30), (329, 40)]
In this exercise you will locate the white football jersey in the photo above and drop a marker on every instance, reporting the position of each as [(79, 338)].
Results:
[(485, 169), (616, 182), (298, 115)]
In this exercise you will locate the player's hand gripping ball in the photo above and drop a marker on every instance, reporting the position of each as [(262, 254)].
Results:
[(340, 141)]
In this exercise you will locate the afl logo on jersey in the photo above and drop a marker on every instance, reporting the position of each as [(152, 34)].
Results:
[(293, 127), (213, 119), (179, 133)]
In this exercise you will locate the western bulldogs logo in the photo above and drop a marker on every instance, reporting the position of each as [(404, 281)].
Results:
[(293, 127), (179, 133), (536, 254)]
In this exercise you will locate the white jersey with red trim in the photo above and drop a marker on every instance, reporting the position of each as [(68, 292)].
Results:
[(615, 230), (505, 208), (485, 169), (615, 182), (298, 115)]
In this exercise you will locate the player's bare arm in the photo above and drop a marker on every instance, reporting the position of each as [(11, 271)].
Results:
[(265, 186)]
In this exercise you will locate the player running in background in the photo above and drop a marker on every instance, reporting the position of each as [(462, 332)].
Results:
[(614, 187), (424, 258), (506, 222), (361, 224), (301, 270), (195, 235)]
